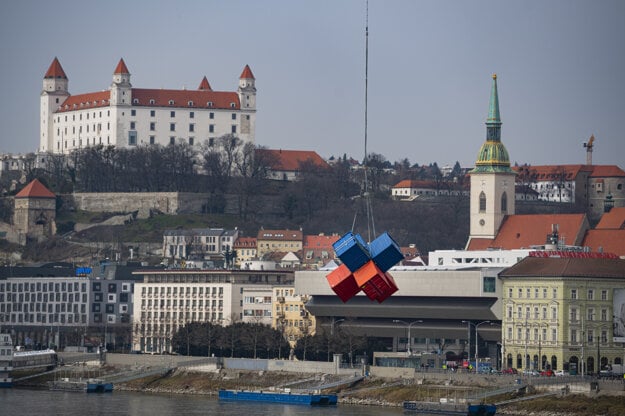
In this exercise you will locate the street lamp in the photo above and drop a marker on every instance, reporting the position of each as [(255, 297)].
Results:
[(409, 344), (476, 326)]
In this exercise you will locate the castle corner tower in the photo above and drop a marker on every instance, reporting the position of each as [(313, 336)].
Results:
[(492, 179), (55, 92)]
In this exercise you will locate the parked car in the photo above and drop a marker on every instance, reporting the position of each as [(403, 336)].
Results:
[(547, 373), (510, 370), (559, 373), (530, 373)]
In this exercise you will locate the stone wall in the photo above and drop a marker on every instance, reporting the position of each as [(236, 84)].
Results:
[(171, 203)]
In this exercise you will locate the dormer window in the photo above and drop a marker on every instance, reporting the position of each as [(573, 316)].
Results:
[(209, 104), (135, 101), (171, 102), (232, 105), (95, 103), (190, 103), (152, 101)]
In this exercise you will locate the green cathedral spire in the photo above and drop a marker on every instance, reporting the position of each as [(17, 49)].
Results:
[(493, 156)]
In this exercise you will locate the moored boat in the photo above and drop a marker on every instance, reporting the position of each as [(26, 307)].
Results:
[(450, 408), (279, 397)]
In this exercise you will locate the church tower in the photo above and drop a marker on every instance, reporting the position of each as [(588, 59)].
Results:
[(492, 179), (54, 93), (247, 98)]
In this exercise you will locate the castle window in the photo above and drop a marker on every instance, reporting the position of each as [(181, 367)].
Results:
[(211, 128), (482, 202), (232, 105), (133, 113), (152, 139), (191, 140), (211, 115), (172, 126), (504, 202), (191, 127), (171, 102), (234, 129), (172, 114), (234, 116), (190, 103), (191, 114), (135, 101), (152, 102), (152, 113), (172, 140), (209, 104)]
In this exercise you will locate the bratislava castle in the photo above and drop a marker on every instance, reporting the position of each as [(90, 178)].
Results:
[(124, 117)]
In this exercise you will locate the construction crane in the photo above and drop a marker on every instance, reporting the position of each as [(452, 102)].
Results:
[(588, 147)]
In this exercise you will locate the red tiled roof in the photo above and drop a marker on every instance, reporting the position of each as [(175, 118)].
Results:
[(290, 160), (312, 242), (566, 267), (245, 242), (523, 231), (204, 85), (55, 70), (35, 189), (607, 241), (141, 97), (412, 184), (606, 171), (121, 68), (186, 98), (479, 243), (552, 172), (614, 220), (85, 101), (247, 73)]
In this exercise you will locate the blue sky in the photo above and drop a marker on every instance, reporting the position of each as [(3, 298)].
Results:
[(560, 67)]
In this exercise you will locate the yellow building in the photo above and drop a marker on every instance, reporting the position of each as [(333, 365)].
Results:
[(560, 312), (290, 316)]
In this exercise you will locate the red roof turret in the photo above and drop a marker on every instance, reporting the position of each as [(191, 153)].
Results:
[(55, 70), (247, 73), (121, 68), (204, 85)]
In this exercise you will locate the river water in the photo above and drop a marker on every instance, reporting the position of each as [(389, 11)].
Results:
[(18, 402)]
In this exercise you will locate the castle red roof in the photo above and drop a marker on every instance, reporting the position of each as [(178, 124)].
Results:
[(247, 73), (55, 70), (121, 68), (290, 160), (161, 98), (35, 189)]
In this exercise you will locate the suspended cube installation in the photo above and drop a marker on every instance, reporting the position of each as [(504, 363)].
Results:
[(365, 267)]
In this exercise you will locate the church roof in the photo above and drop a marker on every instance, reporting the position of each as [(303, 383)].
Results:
[(247, 73), (85, 101), (204, 85), (121, 68), (55, 70), (290, 160), (35, 189), (524, 231)]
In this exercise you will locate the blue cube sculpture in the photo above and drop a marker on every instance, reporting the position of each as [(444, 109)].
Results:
[(352, 250), (385, 252)]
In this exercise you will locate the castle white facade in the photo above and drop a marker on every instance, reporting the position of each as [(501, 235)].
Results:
[(124, 117)]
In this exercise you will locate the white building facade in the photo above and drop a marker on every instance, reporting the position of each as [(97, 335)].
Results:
[(124, 117)]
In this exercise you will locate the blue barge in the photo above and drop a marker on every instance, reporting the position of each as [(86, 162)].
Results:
[(279, 397)]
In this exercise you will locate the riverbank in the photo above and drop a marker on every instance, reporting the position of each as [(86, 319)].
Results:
[(371, 391)]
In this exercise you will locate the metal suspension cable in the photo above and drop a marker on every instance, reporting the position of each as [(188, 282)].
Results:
[(369, 209)]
